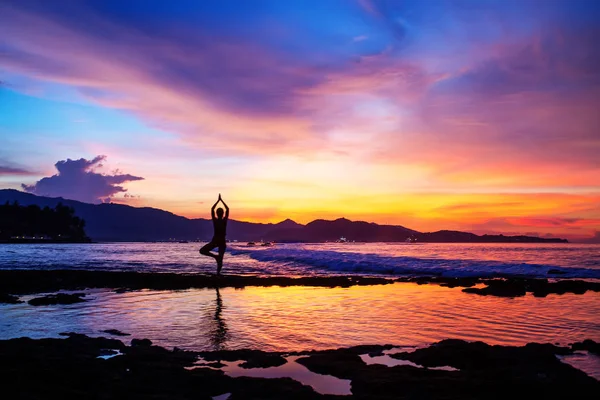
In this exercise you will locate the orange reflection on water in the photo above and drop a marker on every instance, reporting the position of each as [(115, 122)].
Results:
[(298, 318), (412, 314)]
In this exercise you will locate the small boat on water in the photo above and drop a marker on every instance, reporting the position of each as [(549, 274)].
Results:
[(342, 240), (266, 244), (250, 244)]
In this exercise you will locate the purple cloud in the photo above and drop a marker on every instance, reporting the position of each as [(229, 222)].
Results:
[(78, 180), (8, 170)]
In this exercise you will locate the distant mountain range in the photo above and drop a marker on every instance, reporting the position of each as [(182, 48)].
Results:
[(117, 222)]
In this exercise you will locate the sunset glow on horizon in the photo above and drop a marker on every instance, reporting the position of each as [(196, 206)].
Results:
[(466, 115)]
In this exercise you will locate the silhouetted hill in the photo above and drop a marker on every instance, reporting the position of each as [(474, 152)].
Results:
[(117, 222), (321, 231), (466, 237), (446, 236)]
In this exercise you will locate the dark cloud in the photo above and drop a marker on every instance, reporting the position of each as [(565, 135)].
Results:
[(78, 180)]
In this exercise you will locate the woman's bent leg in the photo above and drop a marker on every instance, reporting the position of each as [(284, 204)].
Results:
[(205, 250)]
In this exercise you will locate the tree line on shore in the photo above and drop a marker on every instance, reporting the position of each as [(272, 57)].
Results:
[(32, 223)]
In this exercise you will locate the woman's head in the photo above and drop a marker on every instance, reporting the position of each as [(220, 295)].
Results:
[(220, 212)]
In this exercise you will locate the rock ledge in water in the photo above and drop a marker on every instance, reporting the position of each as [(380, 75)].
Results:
[(589, 345), (9, 299), (59, 298), (251, 358), (116, 332)]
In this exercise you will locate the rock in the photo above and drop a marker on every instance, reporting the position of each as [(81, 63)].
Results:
[(500, 288), (251, 358), (141, 342), (107, 352), (555, 271), (575, 286), (9, 299), (480, 357), (589, 345), (514, 287), (69, 368), (59, 298), (39, 281), (116, 332)]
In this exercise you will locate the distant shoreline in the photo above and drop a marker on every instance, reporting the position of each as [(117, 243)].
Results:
[(38, 241), (118, 222)]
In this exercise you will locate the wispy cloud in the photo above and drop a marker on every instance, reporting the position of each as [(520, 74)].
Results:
[(10, 170)]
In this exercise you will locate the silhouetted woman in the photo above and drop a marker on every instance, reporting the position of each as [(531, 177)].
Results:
[(218, 240)]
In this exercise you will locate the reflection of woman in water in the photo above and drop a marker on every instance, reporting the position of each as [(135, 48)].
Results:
[(219, 331), (218, 240), (213, 328)]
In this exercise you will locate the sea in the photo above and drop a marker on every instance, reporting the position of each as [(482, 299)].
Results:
[(382, 259), (303, 318)]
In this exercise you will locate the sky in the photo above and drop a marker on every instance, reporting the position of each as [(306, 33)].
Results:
[(474, 115)]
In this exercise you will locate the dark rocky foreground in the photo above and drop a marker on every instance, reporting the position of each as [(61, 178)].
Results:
[(19, 282), (70, 369)]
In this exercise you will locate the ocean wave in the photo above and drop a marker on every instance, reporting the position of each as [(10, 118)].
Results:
[(350, 262)]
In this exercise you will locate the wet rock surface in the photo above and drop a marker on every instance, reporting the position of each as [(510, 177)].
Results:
[(485, 372), (141, 343), (9, 299), (252, 358), (69, 368), (514, 287), (17, 282), (59, 298), (443, 281), (589, 345), (37, 281), (116, 332)]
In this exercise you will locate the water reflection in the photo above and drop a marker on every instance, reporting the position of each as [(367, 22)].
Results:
[(304, 318), (324, 384), (388, 361), (218, 331)]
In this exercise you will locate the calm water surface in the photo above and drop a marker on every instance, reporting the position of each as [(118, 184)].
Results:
[(301, 318)]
